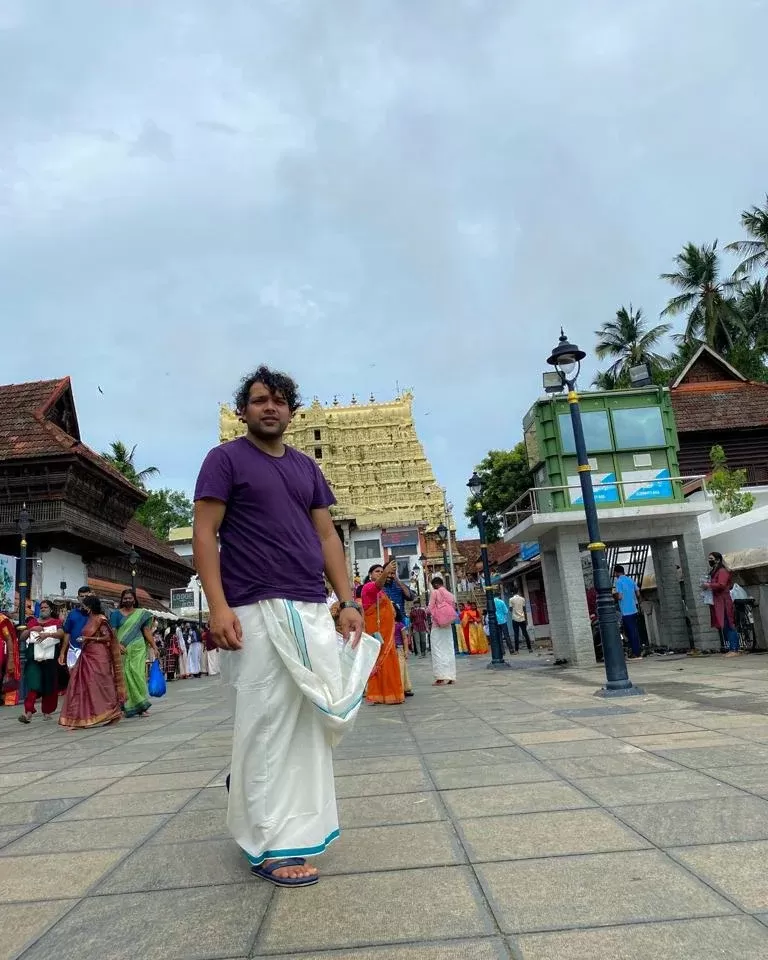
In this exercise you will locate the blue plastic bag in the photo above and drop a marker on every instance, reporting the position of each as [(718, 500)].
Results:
[(156, 682)]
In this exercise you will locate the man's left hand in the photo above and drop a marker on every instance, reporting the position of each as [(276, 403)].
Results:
[(351, 625)]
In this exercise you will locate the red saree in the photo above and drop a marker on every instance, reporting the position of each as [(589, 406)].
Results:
[(386, 683), (10, 663), (96, 688)]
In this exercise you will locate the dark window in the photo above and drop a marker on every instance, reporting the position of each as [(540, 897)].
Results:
[(597, 433), (317, 434), (638, 427), (318, 453), (367, 550)]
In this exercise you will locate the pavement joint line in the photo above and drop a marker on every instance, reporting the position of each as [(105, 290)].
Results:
[(374, 944)]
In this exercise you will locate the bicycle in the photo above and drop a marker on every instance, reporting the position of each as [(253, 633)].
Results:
[(745, 624)]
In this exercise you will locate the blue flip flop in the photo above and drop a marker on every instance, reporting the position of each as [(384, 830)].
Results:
[(267, 873)]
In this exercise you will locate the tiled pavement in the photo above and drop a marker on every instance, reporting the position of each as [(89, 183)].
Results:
[(511, 816)]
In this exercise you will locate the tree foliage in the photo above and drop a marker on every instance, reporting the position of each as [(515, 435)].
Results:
[(629, 341), (505, 476), (164, 509), (726, 485), (122, 459)]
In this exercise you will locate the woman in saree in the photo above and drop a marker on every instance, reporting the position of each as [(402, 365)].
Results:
[(478, 642), (463, 633), (134, 633), (41, 677), (386, 683), (96, 689), (10, 663)]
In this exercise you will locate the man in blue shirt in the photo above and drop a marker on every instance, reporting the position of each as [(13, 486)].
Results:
[(627, 593), (73, 630), (502, 618), (397, 591)]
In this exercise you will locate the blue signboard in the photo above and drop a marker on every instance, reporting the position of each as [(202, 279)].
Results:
[(529, 550), (650, 485), (603, 493)]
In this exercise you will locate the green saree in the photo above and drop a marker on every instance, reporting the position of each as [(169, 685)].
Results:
[(129, 633)]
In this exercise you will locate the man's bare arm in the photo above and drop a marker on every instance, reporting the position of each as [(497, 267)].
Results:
[(225, 626)]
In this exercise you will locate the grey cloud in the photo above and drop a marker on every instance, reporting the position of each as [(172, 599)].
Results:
[(432, 188)]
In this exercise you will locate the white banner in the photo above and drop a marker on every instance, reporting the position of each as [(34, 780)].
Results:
[(7, 583)]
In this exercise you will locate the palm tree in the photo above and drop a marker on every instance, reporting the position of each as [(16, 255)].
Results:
[(121, 459), (754, 251), (606, 380), (628, 341), (709, 302)]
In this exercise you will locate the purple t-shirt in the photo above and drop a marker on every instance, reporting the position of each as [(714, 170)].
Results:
[(269, 546)]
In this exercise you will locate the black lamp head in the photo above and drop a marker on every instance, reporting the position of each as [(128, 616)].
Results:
[(566, 357), (442, 532), (475, 485)]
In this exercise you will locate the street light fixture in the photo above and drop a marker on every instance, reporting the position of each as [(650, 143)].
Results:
[(24, 522), (566, 359), (475, 485), (133, 560)]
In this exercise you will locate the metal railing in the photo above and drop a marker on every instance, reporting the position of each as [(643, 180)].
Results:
[(560, 499)]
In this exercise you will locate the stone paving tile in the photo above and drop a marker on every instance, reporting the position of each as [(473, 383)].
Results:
[(454, 745), (162, 925), (595, 890), (23, 923), (115, 771), (164, 866), (581, 748), (390, 809), (752, 777), (480, 757), (210, 798), (379, 784), (56, 789), (726, 937), (610, 765), (10, 781), (532, 835), (638, 726), (398, 847), (369, 909), (159, 782), (33, 812), (674, 741), (737, 869), (724, 820), (718, 756), (75, 835), (9, 834), (493, 774), (490, 949), (50, 876), (556, 736), (386, 765), (654, 787), (526, 797), (193, 825), (164, 801)]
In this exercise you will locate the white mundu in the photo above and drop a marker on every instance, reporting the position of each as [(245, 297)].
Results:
[(295, 690)]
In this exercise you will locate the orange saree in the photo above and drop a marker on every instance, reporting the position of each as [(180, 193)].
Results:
[(10, 663), (386, 683)]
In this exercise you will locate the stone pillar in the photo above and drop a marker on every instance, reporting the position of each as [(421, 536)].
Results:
[(558, 633), (574, 596), (693, 560), (673, 631)]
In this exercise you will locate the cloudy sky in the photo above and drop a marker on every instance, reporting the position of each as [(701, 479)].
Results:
[(363, 192)]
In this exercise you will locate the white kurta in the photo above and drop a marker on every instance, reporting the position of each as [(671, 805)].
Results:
[(182, 670), (282, 800), (443, 657), (213, 663), (195, 657)]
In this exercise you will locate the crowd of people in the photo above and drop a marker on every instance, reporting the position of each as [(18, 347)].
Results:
[(95, 661)]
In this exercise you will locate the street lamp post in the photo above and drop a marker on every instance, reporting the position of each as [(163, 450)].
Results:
[(133, 559), (566, 359), (475, 485), (23, 524), (442, 534)]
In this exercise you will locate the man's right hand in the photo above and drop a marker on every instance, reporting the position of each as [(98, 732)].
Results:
[(226, 629)]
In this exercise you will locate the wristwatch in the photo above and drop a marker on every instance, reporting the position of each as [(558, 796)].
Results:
[(346, 604)]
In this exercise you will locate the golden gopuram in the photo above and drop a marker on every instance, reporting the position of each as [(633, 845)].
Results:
[(374, 462)]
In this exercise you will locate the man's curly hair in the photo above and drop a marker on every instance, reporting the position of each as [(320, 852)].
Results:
[(274, 381)]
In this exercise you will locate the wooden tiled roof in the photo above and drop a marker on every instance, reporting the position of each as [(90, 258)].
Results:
[(27, 430), (710, 395)]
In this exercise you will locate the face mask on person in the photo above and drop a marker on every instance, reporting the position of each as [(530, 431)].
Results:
[(711, 562)]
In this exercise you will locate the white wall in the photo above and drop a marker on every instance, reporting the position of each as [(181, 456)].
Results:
[(183, 548), (59, 565), (364, 565), (748, 531)]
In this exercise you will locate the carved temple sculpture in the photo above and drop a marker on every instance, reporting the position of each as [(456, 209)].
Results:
[(370, 455)]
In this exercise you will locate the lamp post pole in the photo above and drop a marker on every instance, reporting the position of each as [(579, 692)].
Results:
[(475, 485), (443, 533), (23, 524), (566, 358), (133, 560)]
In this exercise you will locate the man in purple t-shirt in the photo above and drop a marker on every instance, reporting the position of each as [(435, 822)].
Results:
[(267, 504)]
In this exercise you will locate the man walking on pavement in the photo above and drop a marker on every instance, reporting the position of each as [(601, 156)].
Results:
[(502, 619), (519, 619), (419, 628), (77, 618), (628, 593), (268, 504)]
